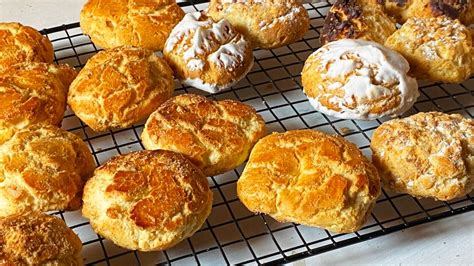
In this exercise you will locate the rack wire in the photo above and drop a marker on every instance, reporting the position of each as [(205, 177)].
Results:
[(233, 235)]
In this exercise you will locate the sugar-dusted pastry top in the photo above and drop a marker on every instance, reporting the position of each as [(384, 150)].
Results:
[(33, 93), (311, 178), (20, 43), (147, 200), (145, 23), (426, 155), (216, 136), (119, 87), (209, 55), (438, 49), (267, 23), (43, 168), (35, 238), (356, 79), (357, 19)]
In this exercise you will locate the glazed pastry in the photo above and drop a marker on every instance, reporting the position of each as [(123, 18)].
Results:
[(426, 155), (267, 23), (438, 49), (357, 19), (216, 136), (43, 168), (310, 178), (32, 93), (120, 87), (210, 56), (145, 24), (20, 43), (403, 10), (147, 200), (356, 79), (35, 238)]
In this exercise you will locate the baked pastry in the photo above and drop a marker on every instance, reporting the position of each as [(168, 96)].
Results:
[(357, 19), (20, 43), (438, 49), (147, 200), (145, 23), (120, 87), (357, 79), (454, 9), (210, 56), (32, 93), (426, 155), (43, 168), (216, 136), (267, 23), (310, 178), (35, 238)]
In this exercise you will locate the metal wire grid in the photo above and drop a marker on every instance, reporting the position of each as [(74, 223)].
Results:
[(231, 234)]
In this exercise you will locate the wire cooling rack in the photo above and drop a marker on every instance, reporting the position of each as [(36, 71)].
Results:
[(233, 235)]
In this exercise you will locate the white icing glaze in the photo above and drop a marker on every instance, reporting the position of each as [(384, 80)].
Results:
[(367, 67)]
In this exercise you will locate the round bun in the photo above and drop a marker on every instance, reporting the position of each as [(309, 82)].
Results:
[(357, 19), (120, 87), (438, 49), (210, 56), (145, 24), (267, 23), (426, 155), (20, 43), (454, 9), (44, 169), (310, 178), (356, 79), (36, 238), (147, 200), (32, 93), (215, 136)]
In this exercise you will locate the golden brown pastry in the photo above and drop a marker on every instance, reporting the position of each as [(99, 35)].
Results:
[(120, 87), (145, 23), (215, 136), (426, 155), (210, 56), (311, 178), (357, 79), (403, 10), (357, 19), (267, 23), (32, 93), (35, 238), (43, 168), (438, 49), (20, 43), (147, 200)]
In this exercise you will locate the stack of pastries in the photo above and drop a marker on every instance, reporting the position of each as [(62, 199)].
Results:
[(153, 199)]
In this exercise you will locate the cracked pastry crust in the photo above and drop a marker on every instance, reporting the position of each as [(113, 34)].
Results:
[(267, 23), (120, 87), (403, 10), (35, 238), (43, 168), (216, 136), (426, 155), (147, 200), (210, 56), (357, 19), (20, 43), (32, 93), (310, 178), (438, 49), (145, 23), (357, 79)]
